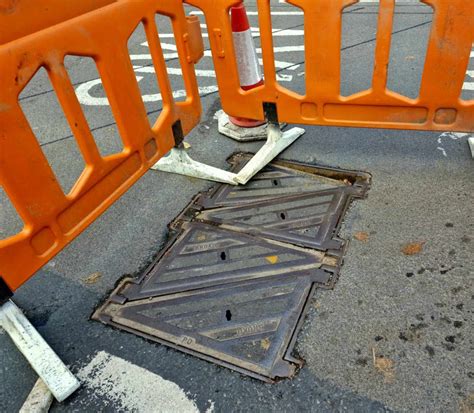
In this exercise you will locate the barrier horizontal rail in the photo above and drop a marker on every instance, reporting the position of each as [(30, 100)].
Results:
[(98, 30), (438, 107)]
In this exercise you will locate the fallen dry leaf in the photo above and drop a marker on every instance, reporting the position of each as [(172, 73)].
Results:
[(361, 236), (93, 278), (265, 343), (272, 259), (467, 405), (413, 248), (385, 366)]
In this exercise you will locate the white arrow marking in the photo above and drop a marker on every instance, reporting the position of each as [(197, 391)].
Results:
[(85, 98), (127, 387)]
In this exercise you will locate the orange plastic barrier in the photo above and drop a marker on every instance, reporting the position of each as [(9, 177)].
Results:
[(41, 35), (438, 106)]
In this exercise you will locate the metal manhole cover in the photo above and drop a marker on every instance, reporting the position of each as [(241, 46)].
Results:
[(232, 284)]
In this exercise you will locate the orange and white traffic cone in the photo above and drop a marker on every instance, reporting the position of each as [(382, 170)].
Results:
[(250, 76)]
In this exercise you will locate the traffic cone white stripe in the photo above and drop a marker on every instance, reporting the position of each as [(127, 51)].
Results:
[(248, 65)]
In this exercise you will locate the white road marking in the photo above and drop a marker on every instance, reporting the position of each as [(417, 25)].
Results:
[(85, 98), (199, 72), (175, 71), (254, 13), (133, 388), (284, 49), (443, 151), (470, 141), (255, 33), (454, 136), (468, 86), (280, 77), (278, 64), (147, 56)]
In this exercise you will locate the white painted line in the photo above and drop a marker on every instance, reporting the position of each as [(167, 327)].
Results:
[(176, 71), (443, 151), (164, 46), (280, 77), (39, 400), (455, 136), (278, 64), (470, 141), (470, 73), (284, 49), (285, 32), (200, 72), (83, 93), (145, 56), (132, 388), (468, 86), (254, 13)]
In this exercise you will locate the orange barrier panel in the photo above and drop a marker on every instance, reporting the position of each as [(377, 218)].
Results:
[(438, 106), (52, 218)]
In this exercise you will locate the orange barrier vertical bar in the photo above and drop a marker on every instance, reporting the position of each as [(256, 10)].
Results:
[(382, 50), (447, 59)]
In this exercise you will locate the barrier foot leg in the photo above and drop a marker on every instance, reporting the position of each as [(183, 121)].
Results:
[(277, 142), (39, 400), (54, 373), (179, 162)]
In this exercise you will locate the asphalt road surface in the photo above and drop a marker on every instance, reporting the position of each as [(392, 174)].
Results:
[(415, 311)]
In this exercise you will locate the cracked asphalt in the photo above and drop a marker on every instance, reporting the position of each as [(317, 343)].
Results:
[(396, 333)]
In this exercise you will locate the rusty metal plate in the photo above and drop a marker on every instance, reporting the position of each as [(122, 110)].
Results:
[(232, 283), (307, 220), (247, 327), (283, 178), (205, 255)]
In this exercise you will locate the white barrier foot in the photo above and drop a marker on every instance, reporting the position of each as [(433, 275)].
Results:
[(54, 373), (277, 142), (179, 162), (39, 400)]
